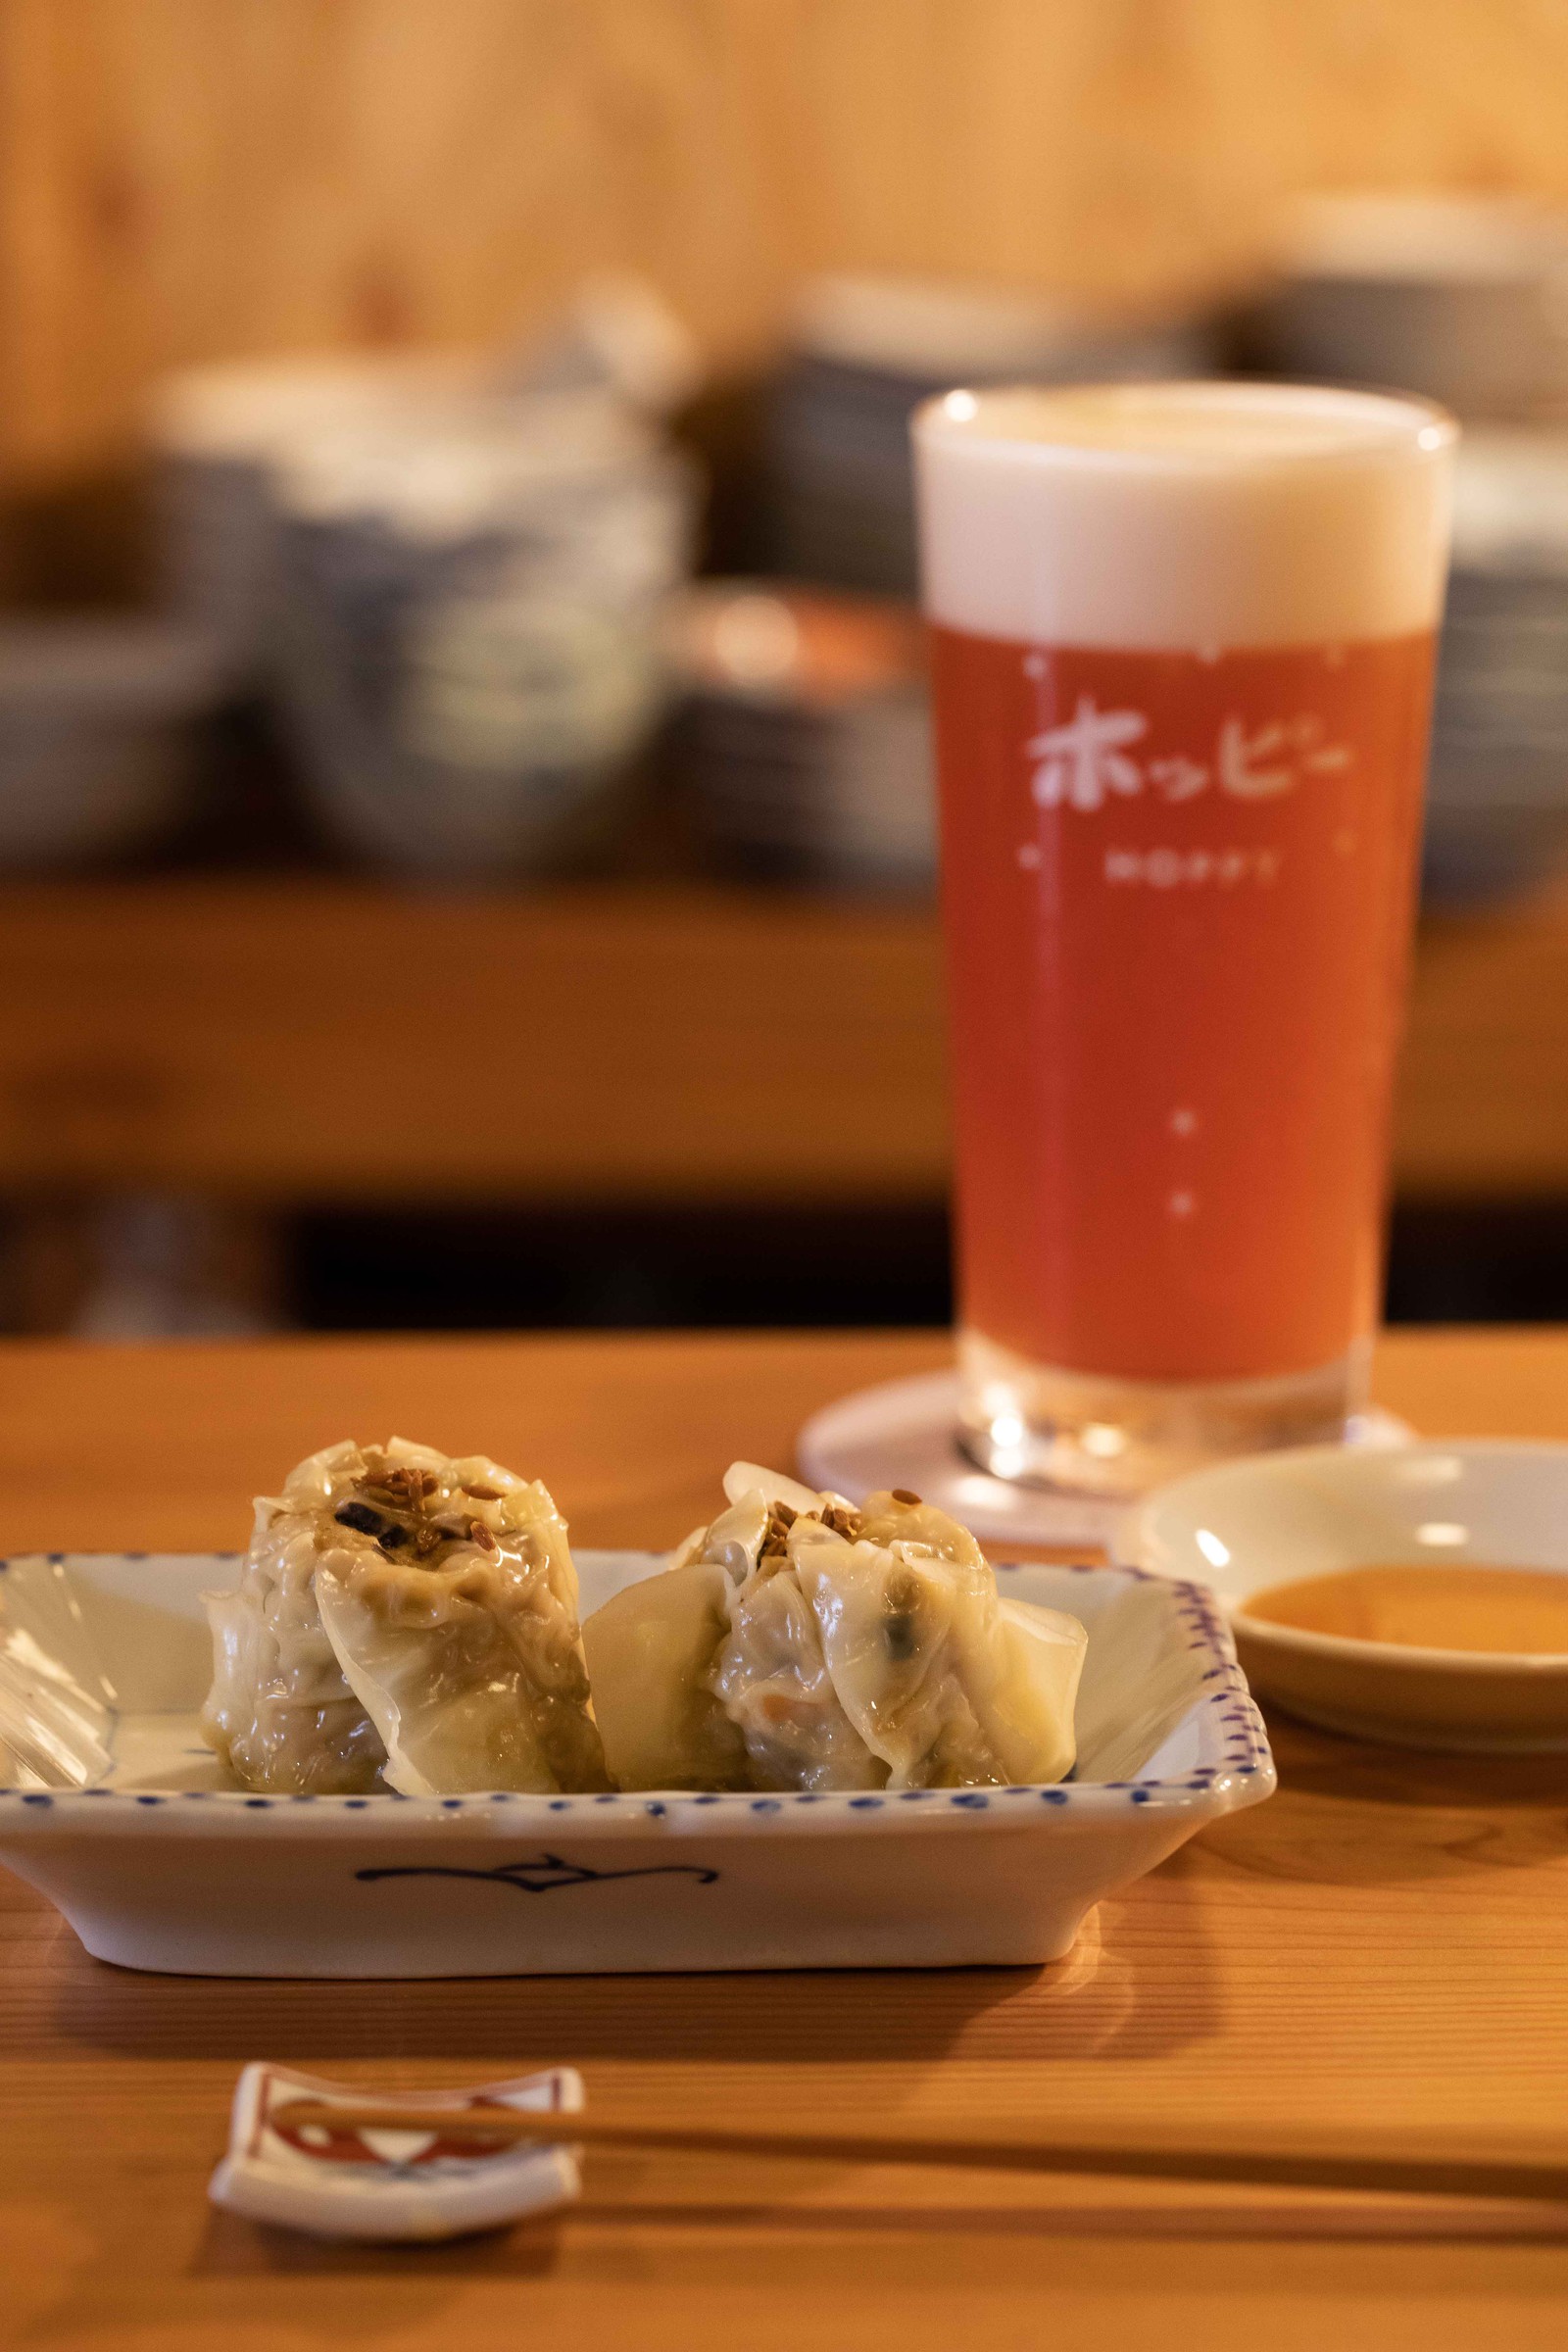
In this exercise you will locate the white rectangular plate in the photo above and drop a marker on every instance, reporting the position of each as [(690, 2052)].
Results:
[(158, 1865)]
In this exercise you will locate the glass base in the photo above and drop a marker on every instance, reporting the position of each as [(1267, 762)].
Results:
[(1093, 1433)]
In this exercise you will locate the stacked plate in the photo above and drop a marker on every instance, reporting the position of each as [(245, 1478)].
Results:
[(863, 352), (806, 732), (98, 731), (1498, 802), (1462, 298)]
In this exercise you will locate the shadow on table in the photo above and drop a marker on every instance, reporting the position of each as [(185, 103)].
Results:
[(1138, 1984), (233, 2248), (1055, 2207), (1350, 1812)]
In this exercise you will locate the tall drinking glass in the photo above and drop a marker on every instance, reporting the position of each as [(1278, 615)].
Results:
[(1183, 646)]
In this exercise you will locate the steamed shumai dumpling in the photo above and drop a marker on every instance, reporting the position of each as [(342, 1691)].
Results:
[(798, 1642), (405, 1621)]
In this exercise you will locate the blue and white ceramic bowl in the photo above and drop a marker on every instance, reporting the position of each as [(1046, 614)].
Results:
[(116, 1810)]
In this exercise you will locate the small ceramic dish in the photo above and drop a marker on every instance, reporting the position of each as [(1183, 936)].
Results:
[(1322, 1508), (117, 1812), (402, 2187)]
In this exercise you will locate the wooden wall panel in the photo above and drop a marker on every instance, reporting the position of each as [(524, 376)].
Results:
[(184, 178)]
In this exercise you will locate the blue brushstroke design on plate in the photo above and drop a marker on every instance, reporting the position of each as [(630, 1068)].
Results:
[(549, 1875)]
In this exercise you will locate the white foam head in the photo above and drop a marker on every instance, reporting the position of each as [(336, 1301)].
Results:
[(1180, 517)]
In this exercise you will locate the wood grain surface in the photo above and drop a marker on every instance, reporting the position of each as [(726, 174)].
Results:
[(1386, 1941), (182, 179), (646, 1042), (243, 1039)]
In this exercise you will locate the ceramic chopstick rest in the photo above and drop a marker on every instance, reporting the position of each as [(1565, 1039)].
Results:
[(390, 2186)]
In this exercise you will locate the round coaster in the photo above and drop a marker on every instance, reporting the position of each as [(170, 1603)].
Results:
[(902, 1435)]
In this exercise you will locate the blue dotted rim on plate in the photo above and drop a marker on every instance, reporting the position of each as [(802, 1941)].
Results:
[(1236, 1744)]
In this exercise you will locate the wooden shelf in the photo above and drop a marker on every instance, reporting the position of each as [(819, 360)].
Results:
[(1483, 1103), (315, 1041), (295, 1041)]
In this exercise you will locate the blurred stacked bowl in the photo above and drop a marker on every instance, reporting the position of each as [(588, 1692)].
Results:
[(470, 624), (216, 433), (220, 433), (805, 733), (865, 351)]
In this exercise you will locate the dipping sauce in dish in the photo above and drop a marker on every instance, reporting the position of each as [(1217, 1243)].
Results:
[(1520, 1610)]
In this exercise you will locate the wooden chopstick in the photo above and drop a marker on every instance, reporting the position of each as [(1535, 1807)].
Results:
[(1390, 2170)]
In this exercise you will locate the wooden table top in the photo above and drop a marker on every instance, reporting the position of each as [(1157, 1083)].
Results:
[(1387, 1939), (196, 1034)]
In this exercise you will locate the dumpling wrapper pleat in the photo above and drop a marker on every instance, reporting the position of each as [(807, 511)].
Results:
[(949, 1685), (845, 1648), (456, 1707), (777, 1686), (402, 1619), (649, 1652)]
